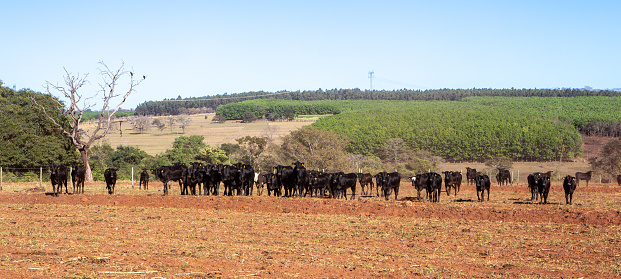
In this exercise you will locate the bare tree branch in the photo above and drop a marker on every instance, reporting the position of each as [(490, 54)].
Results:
[(77, 105)]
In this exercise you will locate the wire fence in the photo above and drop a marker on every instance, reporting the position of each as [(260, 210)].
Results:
[(32, 174)]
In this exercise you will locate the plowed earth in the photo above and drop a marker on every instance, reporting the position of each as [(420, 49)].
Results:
[(142, 234)]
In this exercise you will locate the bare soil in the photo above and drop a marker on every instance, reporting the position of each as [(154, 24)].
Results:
[(143, 234)]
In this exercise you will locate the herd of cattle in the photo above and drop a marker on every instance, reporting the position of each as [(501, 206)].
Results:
[(296, 180)]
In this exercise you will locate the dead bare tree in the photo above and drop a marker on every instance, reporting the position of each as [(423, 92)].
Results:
[(78, 103)]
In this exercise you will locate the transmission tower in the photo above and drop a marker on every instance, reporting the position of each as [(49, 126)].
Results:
[(371, 79)]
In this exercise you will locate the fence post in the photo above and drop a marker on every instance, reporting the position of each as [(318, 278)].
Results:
[(0, 178), (132, 177), (518, 178), (40, 176)]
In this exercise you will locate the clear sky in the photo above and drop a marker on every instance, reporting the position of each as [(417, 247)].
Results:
[(200, 48)]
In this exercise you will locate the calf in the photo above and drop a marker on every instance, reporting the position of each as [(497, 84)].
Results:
[(569, 185), (365, 179), (231, 179), (247, 179), (420, 183), (320, 183), (483, 183), (144, 180), (380, 182), (343, 181), (78, 176), (260, 181), (470, 175), (286, 179), (434, 186), (503, 177), (583, 176), (393, 180), (110, 176), (299, 178), (532, 185), (273, 185), (58, 178), (543, 187), (452, 179)]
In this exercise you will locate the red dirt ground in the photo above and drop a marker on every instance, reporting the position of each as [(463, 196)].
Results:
[(143, 234)]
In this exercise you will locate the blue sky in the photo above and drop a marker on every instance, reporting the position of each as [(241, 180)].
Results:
[(199, 48)]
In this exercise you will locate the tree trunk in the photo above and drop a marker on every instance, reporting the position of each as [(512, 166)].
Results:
[(84, 154)]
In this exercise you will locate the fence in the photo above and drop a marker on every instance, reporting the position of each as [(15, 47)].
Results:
[(4, 170)]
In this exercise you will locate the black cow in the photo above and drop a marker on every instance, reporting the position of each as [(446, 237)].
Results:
[(194, 177), (231, 179), (144, 180), (619, 179), (299, 176), (286, 179), (483, 183), (110, 176), (343, 181), (171, 173), (380, 181), (583, 176), (532, 185), (569, 185), (470, 175), (365, 179), (434, 186), (215, 177), (420, 183), (452, 179), (320, 183), (246, 176), (58, 177), (543, 187), (392, 182), (503, 177), (273, 185), (78, 176)]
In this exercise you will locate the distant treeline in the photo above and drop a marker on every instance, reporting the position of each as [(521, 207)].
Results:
[(88, 115), (178, 106)]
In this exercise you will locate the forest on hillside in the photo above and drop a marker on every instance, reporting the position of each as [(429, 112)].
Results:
[(474, 128), (211, 103)]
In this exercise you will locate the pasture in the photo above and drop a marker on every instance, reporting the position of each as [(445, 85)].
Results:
[(154, 141), (143, 234)]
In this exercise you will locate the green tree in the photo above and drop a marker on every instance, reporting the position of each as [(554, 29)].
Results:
[(318, 149), (159, 124), (252, 146), (28, 138), (192, 148)]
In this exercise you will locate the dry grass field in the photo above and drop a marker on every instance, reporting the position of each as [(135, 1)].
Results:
[(154, 141)]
